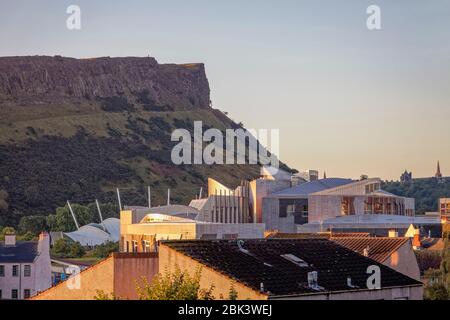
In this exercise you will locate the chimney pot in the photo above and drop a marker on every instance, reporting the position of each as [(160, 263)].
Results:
[(10, 239)]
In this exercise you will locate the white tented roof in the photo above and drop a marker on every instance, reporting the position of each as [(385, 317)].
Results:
[(89, 235), (94, 234)]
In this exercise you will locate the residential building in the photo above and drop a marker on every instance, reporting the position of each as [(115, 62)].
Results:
[(395, 253), (24, 267), (444, 209), (286, 269), (338, 204), (141, 229)]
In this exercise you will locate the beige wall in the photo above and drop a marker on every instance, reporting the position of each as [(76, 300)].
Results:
[(169, 259), (404, 261), (119, 274)]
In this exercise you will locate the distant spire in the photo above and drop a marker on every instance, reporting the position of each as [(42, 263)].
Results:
[(324, 174), (438, 171)]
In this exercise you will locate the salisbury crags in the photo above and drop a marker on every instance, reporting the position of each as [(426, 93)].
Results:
[(42, 79)]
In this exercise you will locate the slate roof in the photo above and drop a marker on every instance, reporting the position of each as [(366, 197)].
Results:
[(304, 189), (379, 248), (23, 251), (262, 263)]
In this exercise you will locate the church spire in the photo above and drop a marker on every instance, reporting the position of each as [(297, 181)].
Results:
[(324, 174), (438, 171)]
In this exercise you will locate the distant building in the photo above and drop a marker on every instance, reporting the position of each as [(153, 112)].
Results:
[(308, 176), (335, 203), (24, 267), (406, 177), (141, 229), (444, 209), (278, 269)]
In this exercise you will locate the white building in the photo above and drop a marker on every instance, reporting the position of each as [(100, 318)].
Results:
[(25, 267)]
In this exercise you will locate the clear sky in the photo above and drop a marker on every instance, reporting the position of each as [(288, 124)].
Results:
[(346, 100)]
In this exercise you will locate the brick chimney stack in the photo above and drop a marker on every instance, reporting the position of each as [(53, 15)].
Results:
[(10, 240)]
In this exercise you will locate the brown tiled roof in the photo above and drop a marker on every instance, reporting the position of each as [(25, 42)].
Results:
[(257, 262), (379, 248), (319, 235)]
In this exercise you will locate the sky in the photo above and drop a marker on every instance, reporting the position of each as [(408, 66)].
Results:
[(347, 100)]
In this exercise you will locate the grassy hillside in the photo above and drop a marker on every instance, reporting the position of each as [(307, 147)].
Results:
[(83, 149)]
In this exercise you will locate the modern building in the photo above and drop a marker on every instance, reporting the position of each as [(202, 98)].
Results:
[(24, 267), (244, 203), (141, 229), (322, 205), (92, 234), (286, 269), (444, 209)]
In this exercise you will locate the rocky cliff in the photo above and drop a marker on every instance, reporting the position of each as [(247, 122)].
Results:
[(51, 79)]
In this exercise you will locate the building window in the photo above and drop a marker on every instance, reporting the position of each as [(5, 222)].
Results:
[(135, 246), (27, 270), (1, 294), (26, 293), (14, 294), (15, 270), (2, 271)]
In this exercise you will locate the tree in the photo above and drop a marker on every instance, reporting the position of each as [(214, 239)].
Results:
[(105, 249), (437, 291), (3, 200), (179, 285), (64, 248), (32, 224), (63, 221), (233, 295)]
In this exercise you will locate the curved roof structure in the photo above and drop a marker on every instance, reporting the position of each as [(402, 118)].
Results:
[(94, 234)]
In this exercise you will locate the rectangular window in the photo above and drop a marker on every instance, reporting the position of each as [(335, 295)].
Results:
[(15, 270), (14, 294), (1, 294), (135, 246), (26, 293), (27, 270), (2, 271)]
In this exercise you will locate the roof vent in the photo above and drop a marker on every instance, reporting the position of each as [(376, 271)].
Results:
[(294, 259), (240, 244), (261, 287), (313, 281), (349, 283)]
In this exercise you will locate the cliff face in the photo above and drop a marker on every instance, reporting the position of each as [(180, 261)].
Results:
[(74, 129), (52, 79)]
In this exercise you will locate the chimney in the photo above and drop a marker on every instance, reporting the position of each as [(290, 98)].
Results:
[(10, 240), (366, 251), (44, 243), (393, 234)]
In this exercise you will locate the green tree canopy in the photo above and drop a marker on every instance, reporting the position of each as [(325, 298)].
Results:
[(177, 285), (63, 221)]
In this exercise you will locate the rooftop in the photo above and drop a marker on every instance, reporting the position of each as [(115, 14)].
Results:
[(23, 251), (256, 262), (379, 249), (305, 189)]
